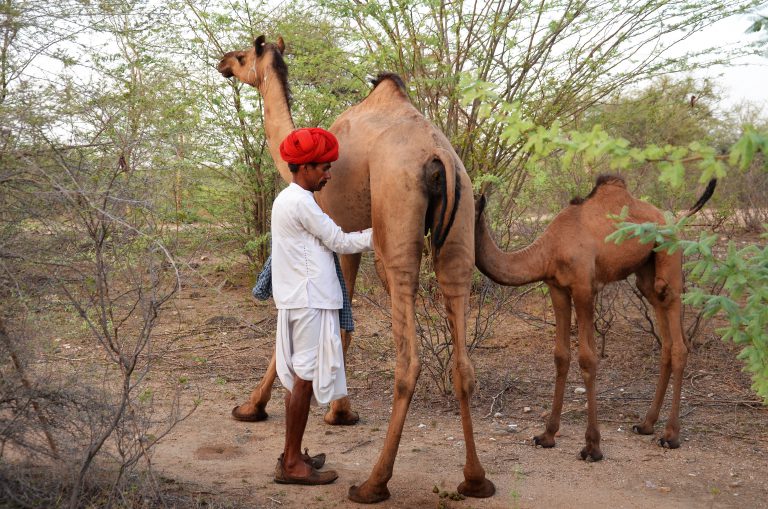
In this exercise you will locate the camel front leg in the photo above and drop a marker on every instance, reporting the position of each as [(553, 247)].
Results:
[(585, 311), (475, 483), (254, 409), (340, 413), (407, 369), (561, 303)]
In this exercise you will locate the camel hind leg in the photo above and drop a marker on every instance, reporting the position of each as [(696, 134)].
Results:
[(453, 267), (402, 284), (661, 283), (561, 303), (398, 237), (475, 483)]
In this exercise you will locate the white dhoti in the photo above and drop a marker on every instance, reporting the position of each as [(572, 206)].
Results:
[(309, 346)]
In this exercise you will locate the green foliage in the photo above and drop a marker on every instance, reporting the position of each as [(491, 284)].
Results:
[(592, 147), (744, 150), (743, 274), (556, 61)]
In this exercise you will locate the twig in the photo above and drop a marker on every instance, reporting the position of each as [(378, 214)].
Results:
[(20, 369), (359, 444), (493, 401), (275, 501)]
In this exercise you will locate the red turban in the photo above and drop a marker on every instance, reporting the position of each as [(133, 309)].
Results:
[(309, 145)]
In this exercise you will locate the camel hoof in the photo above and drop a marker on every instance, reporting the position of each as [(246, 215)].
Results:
[(257, 416), (642, 429), (591, 455), (669, 443), (347, 418), (544, 441), (477, 489), (365, 495)]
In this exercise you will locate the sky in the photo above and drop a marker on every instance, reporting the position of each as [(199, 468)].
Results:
[(745, 78)]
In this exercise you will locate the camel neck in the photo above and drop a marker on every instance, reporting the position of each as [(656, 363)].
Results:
[(278, 122), (514, 268)]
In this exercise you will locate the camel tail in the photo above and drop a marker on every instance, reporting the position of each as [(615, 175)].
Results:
[(704, 198), (444, 193)]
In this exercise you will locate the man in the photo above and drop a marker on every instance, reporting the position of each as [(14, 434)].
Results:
[(308, 295)]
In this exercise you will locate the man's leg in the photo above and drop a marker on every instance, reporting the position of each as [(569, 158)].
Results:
[(296, 415)]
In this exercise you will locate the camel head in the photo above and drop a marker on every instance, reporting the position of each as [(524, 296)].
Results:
[(257, 64)]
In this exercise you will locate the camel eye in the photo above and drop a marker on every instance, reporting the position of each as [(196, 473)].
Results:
[(241, 59)]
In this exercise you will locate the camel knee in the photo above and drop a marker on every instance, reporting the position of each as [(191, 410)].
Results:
[(588, 361), (588, 365), (679, 356), (660, 287), (463, 378), (405, 385), (562, 362)]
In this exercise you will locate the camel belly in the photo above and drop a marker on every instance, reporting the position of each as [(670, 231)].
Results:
[(347, 197)]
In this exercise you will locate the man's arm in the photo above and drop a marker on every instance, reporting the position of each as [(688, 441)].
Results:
[(319, 224)]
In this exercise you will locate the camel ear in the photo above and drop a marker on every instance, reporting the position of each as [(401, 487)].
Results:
[(258, 44), (280, 44)]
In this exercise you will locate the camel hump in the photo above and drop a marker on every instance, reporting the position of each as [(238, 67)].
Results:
[(444, 190), (390, 76), (602, 180)]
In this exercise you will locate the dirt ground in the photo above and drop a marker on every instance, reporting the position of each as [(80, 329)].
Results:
[(224, 346)]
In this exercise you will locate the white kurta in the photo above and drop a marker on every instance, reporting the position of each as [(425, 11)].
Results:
[(303, 241), (307, 292)]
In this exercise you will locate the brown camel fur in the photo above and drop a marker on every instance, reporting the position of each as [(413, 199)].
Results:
[(397, 173), (575, 262)]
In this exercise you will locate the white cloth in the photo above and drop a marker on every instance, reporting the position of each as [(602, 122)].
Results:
[(303, 241), (309, 346), (307, 292)]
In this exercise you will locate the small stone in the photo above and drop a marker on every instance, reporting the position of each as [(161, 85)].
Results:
[(421, 425), (735, 484), (665, 489), (497, 414), (580, 390), (526, 409)]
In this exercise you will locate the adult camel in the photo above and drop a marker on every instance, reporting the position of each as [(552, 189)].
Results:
[(397, 173), (575, 262)]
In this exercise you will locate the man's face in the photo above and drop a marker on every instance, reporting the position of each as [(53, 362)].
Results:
[(317, 175)]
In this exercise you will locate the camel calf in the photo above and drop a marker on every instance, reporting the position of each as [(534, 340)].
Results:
[(575, 262)]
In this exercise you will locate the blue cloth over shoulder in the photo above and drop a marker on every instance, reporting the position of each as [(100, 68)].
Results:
[(263, 291)]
